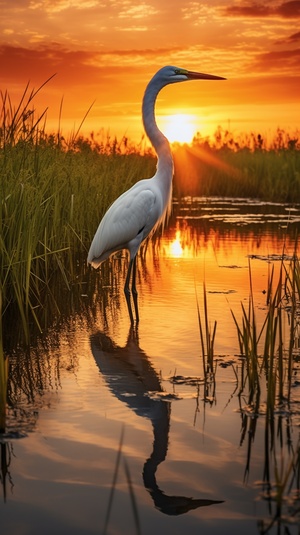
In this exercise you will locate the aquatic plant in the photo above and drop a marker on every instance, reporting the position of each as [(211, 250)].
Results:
[(267, 374), (207, 335)]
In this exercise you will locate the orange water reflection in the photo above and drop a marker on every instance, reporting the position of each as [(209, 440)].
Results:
[(177, 265)]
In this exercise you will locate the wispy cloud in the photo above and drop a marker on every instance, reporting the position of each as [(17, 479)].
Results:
[(140, 11), (284, 62), (288, 10), (291, 39), (57, 6), (197, 13)]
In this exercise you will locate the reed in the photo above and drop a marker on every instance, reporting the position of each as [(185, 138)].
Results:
[(266, 380), (249, 336), (207, 335), (269, 348)]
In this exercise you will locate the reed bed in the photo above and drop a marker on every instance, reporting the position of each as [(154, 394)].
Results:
[(246, 166), (53, 194)]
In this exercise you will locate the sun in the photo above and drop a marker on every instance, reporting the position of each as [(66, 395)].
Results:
[(179, 127)]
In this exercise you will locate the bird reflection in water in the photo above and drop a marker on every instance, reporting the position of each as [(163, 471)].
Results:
[(132, 379)]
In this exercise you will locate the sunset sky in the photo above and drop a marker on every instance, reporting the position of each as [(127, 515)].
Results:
[(106, 51)]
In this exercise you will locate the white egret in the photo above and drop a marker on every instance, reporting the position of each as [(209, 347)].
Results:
[(140, 210)]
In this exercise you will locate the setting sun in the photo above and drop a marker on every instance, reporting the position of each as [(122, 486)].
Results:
[(180, 127)]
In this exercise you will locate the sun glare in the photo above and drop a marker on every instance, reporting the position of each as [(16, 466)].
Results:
[(176, 250), (180, 127)]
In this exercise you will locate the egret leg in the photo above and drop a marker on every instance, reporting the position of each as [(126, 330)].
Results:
[(134, 291), (127, 291)]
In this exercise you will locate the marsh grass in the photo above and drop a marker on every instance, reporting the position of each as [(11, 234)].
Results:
[(268, 375), (207, 334), (242, 166), (53, 194), (268, 349)]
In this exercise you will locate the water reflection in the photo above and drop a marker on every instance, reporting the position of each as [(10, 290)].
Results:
[(6, 452), (279, 484), (133, 380)]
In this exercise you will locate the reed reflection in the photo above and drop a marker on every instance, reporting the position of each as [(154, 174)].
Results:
[(33, 375), (6, 452), (280, 482), (133, 380)]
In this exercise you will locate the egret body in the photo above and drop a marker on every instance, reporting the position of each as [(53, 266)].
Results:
[(140, 210)]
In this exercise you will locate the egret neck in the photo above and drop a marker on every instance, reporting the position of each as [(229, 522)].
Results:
[(165, 166)]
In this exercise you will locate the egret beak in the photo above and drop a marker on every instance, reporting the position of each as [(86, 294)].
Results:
[(201, 76)]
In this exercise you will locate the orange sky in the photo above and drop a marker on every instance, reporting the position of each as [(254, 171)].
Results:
[(106, 51)]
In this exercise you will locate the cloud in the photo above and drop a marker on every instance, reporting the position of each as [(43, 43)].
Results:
[(197, 13), (140, 11), (56, 6), (289, 9), (255, 9), (20, 63), (294, 38), (283, 62)]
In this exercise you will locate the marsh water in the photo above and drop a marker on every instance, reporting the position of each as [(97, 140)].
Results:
[(118, 430)]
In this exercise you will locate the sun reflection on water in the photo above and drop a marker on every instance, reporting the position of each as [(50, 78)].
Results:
[(175, 246)]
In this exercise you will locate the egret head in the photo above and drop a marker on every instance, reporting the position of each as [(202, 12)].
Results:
[(171, 75)]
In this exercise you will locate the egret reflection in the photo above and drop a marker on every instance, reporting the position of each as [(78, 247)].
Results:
[(132, 379)]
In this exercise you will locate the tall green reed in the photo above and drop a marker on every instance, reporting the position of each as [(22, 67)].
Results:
[(207, 335), (268, 357), (269, 352)]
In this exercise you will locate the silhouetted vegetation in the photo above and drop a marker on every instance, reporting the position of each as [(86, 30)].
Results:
[(243, 166)]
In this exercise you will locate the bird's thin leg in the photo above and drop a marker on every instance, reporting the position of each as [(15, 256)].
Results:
[(134, 291), (127, 290)]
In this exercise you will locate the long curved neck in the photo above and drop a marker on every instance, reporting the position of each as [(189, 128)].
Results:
[(158, 140)]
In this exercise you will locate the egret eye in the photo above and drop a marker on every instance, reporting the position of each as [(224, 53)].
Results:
[(182, 72)]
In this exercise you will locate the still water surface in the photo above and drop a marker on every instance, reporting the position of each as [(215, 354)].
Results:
[(114, 430)]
